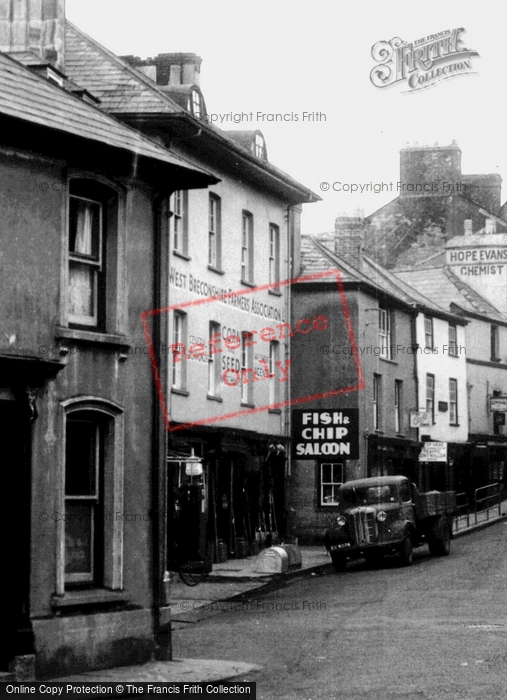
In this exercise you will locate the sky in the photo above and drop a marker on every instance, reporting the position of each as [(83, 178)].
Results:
[(273, 57)]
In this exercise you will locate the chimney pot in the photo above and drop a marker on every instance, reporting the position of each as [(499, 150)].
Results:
[(26, 25), (490, 226)]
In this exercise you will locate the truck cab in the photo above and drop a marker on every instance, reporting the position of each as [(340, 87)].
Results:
[(386, 515)]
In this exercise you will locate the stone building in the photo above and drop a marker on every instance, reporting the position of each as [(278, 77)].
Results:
[(367, 371), (84, 235), (472, 284), (434, 200), (230, 248)]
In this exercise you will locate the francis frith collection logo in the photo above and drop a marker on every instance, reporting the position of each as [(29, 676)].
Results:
[(422, 63)]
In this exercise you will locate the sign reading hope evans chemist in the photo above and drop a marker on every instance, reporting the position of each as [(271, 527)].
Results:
[(325, 433)]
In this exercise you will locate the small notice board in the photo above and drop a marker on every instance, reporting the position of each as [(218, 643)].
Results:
[(433, 451)]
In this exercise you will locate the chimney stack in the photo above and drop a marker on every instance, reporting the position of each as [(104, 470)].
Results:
[(424, 169), (349, 239), (490, 226), (468, 227), (34, 25)]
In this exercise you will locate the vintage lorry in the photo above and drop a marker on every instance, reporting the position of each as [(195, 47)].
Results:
[(388, 515)]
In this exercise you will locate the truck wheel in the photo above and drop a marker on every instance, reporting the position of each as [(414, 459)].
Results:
[(407, 550), (374, 559), (339, 561), (440, 542)]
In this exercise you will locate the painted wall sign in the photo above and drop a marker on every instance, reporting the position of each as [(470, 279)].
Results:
[(325, 433)]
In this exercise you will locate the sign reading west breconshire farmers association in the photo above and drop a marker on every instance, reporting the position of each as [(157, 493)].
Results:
[(325, 433)]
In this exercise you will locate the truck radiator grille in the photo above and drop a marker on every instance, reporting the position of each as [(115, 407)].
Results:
[(364, 526)]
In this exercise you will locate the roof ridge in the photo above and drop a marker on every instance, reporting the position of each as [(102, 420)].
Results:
[(392, 276), (125, 65), (212, 129), (470, 291), (69, 95)]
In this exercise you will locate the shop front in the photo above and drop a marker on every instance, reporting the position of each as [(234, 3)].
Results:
[(392, 457), (238, 499)]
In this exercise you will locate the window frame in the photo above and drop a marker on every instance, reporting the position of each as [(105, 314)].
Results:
[(430, 400), (453, 405), (429, 336), (274, 384), (495, 342), (93, 263), (453, 341), (112, 319), (195, 106), (259, 146), (94, 500), (398, 406), (385, 332), (111, 416), (179, 337), (247, 363), (179, 222), (377, 379), (335, 485), (214, 375), (274, 254), (247, 247), (215, 231)]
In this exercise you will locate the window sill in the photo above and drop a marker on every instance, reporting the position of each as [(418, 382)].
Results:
[(401, 435), (216, 269), (454, 425), (378, 432), (97, 337), (495, 359), (212, 397), (179, 254), (179, 392), (275, 292), (275, 410), (88, 597), (387, 359), (252, 285), (245, 404)]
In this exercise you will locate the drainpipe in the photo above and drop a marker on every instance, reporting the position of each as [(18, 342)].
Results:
[(413, 326), (288, 355), (161, 628)]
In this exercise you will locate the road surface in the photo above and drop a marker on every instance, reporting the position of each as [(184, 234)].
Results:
[(434, 631)]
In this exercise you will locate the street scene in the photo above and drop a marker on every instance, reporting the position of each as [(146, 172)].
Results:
[(386, 632), (253, 352)]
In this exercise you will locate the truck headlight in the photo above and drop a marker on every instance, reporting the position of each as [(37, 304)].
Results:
[(341, 520), (381, 516)]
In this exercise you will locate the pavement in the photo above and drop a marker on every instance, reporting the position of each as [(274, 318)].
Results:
[(232, 583)]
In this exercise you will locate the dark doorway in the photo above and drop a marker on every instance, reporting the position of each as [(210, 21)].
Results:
[(15, 630)]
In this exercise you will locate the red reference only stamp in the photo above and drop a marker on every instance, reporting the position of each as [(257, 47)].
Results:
[(234, 373)]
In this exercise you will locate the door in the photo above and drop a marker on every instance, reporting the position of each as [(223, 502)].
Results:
[(15, 629)]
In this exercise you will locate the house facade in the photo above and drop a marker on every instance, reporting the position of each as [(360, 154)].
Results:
[(472, 290), (231, 254), (367, 365), (84, 203)]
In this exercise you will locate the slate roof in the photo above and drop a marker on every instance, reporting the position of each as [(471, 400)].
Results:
[(440, 283), (317, 255), (119, 86), (25, 95), (124, 90)]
